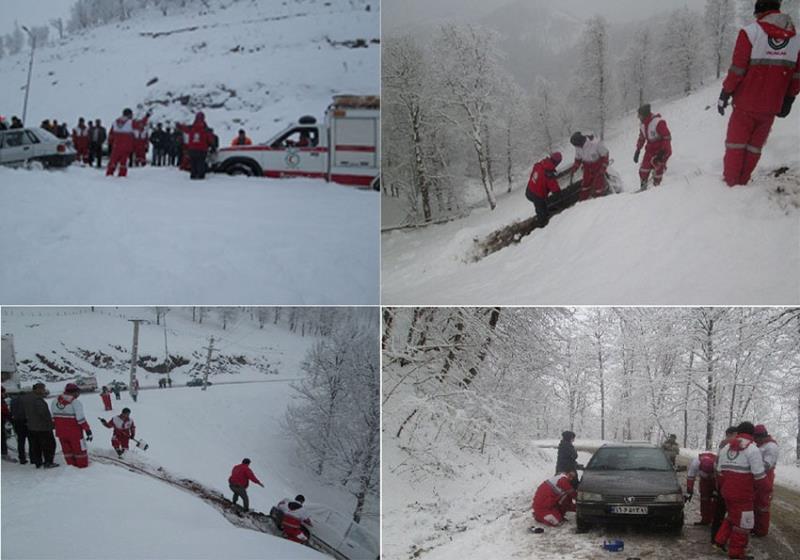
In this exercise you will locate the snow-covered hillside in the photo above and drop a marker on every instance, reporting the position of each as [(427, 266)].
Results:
[(691, 241), (252, 64), (192, 434)]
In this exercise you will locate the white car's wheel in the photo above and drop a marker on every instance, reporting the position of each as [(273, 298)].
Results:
[(240, 169), (35, 165)]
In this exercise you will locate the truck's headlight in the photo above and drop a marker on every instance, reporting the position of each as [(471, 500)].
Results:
[(670, 498), (590, 497)]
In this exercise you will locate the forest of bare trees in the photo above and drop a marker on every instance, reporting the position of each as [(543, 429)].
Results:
[(485, 379)]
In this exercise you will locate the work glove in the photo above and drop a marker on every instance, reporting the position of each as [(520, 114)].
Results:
[(723, 102), (636, 156), (88, 435), (787, 107), (688, 497)]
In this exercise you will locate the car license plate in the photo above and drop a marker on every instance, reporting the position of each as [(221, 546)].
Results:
[(636, 510)]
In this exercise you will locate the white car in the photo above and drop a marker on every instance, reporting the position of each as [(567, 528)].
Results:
[(34, 148), (87, 384), (336, 534)]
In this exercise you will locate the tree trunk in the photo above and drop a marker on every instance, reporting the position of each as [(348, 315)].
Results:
[(494, 316), (508, 156), (388, 319), (710, 385), (419, 163)]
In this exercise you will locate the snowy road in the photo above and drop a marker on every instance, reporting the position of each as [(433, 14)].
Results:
[(500, 530), (76, 236)]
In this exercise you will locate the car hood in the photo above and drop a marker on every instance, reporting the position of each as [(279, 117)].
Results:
[(640, 483)]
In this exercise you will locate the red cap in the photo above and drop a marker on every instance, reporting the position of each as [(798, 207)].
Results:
[(71, 388), (761, 430), (556, 157)]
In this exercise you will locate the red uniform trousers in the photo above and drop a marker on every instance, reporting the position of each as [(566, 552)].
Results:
[(555, 515), (141, 152), (106, 400), (120, 439), (74, 449), (735, 528), (594, 180), (762, 505), (119, 156), (651, 165), (707, 503), (82, 147), (747, 134)]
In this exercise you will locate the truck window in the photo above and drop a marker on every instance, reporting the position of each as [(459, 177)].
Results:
[(299, 137)]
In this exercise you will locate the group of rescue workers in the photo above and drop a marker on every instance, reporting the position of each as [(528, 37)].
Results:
[(34, 421), (735, 487), (762, 83)]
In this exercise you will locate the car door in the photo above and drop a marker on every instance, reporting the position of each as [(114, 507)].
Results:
[(359, 544), (297, 153), (16, 147)]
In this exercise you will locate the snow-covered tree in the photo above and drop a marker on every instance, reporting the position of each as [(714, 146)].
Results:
[(720, 25), (15, 40), (227, 315), (40, 34), (335, 417), (58, 25), (638, 71), (680, 58), (592, 84), (467, 64)]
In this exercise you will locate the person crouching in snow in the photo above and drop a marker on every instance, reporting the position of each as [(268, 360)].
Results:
[(592, 154), (70, 424), (554, 498), (294, 523), (124, 430), (703, 466), (655, 133), (240, 478), (541, 183)]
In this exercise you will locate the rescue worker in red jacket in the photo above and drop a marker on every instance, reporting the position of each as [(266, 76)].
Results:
[(703, 466), (70, 424), (105, 396), (197, 140), (769, 454), (554, 498), (80, 139), (740, 470), (242, 139), (654, 132), (541, 183), (141, 138), (293, 522), (591, 153), (124, 430), (763, 80), (240, 478), (121, 140)]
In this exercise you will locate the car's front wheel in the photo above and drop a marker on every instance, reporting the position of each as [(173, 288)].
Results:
[(240, 169), (677, 526)]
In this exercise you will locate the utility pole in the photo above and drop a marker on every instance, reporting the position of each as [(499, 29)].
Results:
[(134, 350), (30, 69), (166, 350), (210, 349)]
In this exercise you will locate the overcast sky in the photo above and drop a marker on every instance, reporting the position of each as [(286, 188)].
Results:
[(402, 13), (31, 12)]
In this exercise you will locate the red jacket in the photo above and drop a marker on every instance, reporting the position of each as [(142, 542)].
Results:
[(655, 132), (740, 469), (197, 136), (68, 417), (242, 475), (766, 64), (6, 412), (80, 137), (121, 135), (292, 524), (542, 180), (554, 493)]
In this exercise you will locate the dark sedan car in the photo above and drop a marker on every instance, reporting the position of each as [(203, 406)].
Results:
[(629, 484)]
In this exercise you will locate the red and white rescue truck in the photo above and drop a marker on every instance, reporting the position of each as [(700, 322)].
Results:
[(344, 148)]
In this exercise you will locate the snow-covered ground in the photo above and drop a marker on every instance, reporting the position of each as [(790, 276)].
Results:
[(691, 241), (75, 237), (192, 433), (480, 507)]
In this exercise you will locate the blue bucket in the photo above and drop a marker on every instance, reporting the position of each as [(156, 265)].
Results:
[(614, 545)]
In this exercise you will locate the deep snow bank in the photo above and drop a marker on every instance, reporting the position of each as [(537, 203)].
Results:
[(75, 236), (691, 241)]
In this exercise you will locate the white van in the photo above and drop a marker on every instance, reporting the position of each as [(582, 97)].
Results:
[(344, 148)]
